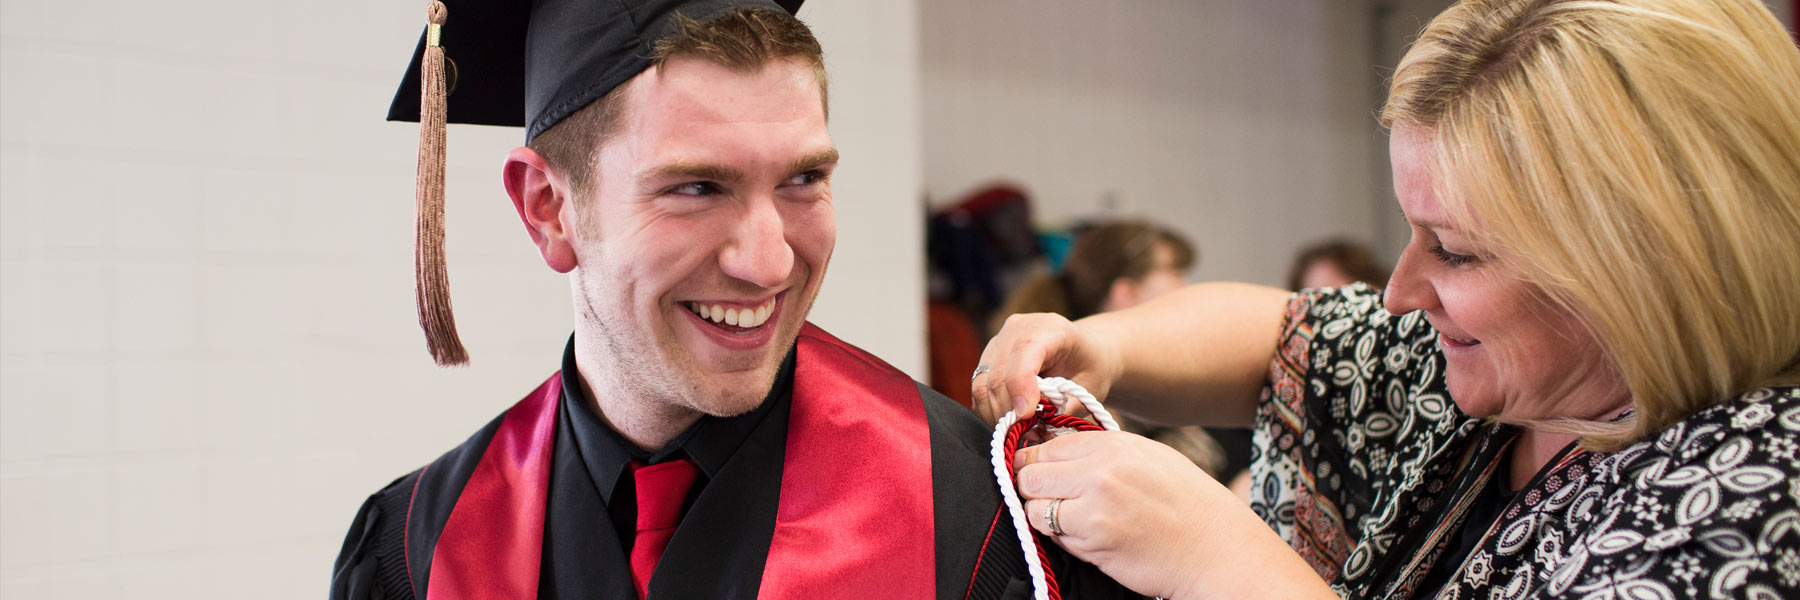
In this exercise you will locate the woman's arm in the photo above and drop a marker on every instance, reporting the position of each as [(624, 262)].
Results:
[(1198, 355)]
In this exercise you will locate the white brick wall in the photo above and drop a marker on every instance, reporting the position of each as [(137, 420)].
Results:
[(208, 354)]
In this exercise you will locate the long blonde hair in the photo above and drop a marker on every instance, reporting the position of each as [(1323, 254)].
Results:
[(1639, 161)]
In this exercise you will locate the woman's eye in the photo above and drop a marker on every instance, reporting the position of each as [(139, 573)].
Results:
[(1450, 258), (695, 188)]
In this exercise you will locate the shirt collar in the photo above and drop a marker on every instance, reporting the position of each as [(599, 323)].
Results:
[(709, 442)]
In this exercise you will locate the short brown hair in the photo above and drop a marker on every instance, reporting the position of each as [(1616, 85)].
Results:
[(742, 40), (1101, 255), (1352, 258)]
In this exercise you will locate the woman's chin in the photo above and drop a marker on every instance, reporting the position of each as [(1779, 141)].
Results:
[(1474, 401)]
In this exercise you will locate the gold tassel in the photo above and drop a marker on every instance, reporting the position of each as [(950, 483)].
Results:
[(433, 291)]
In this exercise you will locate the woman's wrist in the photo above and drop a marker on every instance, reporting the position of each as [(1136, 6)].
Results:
[(1252, 562), (1102, 343)]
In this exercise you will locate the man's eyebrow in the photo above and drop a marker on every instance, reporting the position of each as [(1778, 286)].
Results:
[(697, 171), (814, 160)]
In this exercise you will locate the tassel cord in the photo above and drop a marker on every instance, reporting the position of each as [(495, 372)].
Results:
[(432, 293)]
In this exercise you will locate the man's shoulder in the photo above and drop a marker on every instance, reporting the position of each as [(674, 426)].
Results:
[(401, 486), (954, 422), (372, 562), (387, 508)]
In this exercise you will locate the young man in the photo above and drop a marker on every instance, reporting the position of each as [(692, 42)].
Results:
[(701, 440)]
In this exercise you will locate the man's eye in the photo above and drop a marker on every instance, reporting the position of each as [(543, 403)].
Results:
[(1450, 258), (807, 178), (695, 188)]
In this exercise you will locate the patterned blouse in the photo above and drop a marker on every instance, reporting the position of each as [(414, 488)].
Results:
[(1367, 468)]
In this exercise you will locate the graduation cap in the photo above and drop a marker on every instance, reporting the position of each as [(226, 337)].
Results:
[(528, 63)]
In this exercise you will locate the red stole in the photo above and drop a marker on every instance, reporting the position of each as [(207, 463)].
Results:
[(851, 523)]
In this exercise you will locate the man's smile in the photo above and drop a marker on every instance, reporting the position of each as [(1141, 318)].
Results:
[(732, 326), (733, 315)]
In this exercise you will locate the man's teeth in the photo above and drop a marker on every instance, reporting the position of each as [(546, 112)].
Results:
[(746, 317)]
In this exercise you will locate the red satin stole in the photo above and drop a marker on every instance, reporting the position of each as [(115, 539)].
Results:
[(854, 518)]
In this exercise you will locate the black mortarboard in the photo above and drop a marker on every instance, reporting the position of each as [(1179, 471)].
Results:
[(515, 63), (519, 62)]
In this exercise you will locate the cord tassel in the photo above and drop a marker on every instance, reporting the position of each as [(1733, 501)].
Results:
[(433, 290)]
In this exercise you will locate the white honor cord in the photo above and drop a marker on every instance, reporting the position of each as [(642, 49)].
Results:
[(1059, 391)]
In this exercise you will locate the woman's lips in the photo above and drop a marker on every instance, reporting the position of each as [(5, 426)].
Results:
[(1451, 342)]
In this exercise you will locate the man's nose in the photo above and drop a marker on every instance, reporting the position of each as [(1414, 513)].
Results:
[(757, 251)]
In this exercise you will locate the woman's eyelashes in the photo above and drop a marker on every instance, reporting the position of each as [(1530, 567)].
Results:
[(1450, 258)]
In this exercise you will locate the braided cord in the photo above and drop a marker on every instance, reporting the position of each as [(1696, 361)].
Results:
[(1056, 393)]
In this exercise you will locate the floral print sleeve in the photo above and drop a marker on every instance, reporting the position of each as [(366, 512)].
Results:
[(1353, 411)]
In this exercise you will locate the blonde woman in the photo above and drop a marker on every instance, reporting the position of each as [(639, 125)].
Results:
[(1582, 381)]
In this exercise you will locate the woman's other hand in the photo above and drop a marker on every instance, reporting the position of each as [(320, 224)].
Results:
[(1031, 345), (1147, 517)]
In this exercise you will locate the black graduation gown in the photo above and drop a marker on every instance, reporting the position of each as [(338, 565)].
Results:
[(719, 549)]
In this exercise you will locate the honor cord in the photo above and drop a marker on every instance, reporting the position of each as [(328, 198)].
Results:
[(1056, 393)]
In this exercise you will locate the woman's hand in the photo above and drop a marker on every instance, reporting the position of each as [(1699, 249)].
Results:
[(1150, 519), (1038, 344)]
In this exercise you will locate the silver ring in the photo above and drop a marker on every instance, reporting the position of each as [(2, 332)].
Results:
[(979, 369), (1050, 514)]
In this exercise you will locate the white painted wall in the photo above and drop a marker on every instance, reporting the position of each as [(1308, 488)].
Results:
[(1245, 124), (208, 355), (1248, 125), (1784, 10), (874, 294)]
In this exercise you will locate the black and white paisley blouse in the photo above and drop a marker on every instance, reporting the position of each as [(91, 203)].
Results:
[(1367, 468)]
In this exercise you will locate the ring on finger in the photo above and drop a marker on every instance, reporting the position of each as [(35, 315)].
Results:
[(979, 369), (1051, 513)]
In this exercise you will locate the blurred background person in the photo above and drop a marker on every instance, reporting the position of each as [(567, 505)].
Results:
[(1336, 263), (1117, 265), (976, 249), (1109, 267)]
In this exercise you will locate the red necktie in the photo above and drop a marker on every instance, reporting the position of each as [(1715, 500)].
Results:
[(661, 489)]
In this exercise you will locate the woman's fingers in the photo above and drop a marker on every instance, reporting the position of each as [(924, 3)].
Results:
[(982, 400), (1019, 374), (1026, 347), (979, 400), (1052, 480), (1065, 447), (1067, 512)]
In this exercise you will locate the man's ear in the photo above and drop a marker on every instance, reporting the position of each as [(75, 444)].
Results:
[(539, 193)]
